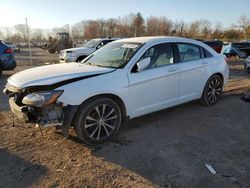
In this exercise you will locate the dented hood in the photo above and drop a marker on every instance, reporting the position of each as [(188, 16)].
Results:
[(52, 74)]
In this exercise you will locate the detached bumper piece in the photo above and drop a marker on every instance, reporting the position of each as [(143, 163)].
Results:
[(18, 111)]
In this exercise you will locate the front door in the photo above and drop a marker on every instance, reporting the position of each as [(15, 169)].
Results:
[(156, 87)]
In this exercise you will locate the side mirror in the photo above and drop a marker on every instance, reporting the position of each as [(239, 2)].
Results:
[(99, 46), (141, 65)]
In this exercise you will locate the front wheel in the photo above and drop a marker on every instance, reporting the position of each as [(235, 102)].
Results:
[(212, 91), (98, 120), (79, 59)]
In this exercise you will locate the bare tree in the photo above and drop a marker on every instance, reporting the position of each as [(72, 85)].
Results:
[(91, 29), (245, 24), (78, 30), (232, 34), (217, 31), (152, 26), (111, 26), (178, 29), (37, 35), (138, 25), (205, 28), (194, 30), (22, 30)]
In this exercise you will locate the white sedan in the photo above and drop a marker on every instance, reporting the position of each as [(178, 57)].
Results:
[(125, 79)]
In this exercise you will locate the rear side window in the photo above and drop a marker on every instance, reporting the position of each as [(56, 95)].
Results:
[(207, 53), (188, 52)]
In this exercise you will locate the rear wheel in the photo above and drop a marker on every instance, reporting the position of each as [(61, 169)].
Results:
[(212, 91), (98, 120)]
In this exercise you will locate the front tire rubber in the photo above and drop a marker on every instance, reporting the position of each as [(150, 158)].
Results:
[(212, 91), (79, 59), (97, 120)]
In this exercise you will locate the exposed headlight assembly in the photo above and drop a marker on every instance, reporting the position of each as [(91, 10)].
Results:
[(42, 99)]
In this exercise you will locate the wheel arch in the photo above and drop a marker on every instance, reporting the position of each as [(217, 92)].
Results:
[(220, 75), (82, 56), (114, 97), (202, 94), (216, 73)]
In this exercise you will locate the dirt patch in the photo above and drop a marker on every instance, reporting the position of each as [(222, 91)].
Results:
[(165, 149)]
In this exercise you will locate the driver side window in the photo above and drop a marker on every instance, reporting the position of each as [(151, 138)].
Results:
[(160, 55)]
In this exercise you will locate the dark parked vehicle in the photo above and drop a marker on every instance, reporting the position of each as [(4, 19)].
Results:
[(215, 44), (7, 60), (239, 50)]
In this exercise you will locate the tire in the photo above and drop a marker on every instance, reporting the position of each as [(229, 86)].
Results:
[(79, 59), (97, 120), (212, 91)]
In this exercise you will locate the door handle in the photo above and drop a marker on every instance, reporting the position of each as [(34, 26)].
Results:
[(173, 69)]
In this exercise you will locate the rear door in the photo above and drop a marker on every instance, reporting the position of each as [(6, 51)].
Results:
[(192, 71)]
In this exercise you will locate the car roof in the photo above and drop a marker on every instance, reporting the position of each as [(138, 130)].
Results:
[(154, 39), (105, 38), (158, 39)]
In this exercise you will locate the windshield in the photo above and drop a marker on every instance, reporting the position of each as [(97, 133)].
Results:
[(92, 43), (115, 54)]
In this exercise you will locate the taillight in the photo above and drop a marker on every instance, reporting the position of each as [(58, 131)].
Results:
[(8, 51)]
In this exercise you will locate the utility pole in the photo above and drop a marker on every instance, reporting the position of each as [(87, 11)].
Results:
[(28, 33), (72, 36)]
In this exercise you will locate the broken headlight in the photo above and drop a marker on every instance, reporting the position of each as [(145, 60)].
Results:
[(42, 99)]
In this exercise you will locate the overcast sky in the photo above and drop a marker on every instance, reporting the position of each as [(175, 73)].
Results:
[(55, 13)]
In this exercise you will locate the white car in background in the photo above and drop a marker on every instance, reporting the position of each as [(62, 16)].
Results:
[(80, 43), (78, 54), (125, 79)]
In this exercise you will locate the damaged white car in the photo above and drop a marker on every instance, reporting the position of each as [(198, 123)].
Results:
[(124, 79)]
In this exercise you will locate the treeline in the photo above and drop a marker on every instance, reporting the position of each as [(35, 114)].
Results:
[(135, 25)]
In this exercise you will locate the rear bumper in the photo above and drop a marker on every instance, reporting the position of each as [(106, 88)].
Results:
[(9, 65)]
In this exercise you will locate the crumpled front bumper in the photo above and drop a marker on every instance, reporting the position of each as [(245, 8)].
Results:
[(18, 111), (24, 114)]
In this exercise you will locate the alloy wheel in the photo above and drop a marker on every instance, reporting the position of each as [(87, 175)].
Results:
[(214, 90), (101, 122)]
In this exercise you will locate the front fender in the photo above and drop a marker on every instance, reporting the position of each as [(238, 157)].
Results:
[(115, 83)]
